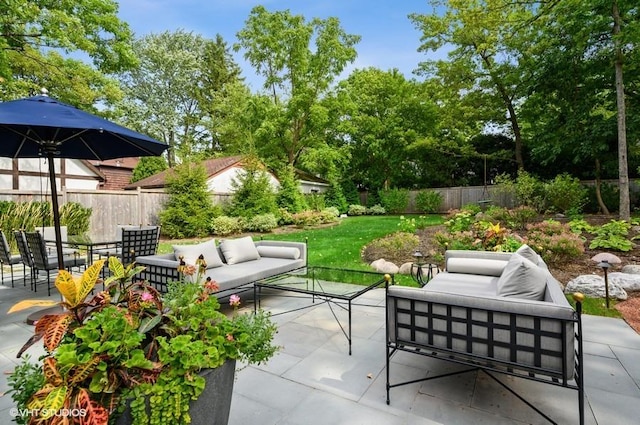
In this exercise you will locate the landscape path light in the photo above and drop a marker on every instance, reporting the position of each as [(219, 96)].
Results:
[(605, 260)]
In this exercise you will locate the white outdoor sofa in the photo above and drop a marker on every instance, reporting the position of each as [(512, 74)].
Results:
[(495, 312)]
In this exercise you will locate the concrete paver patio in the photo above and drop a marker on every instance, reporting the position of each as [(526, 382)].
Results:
[(313, 380)]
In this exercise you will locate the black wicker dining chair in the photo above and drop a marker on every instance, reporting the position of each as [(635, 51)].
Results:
[(6, 258), (45, 262), (25, 256)]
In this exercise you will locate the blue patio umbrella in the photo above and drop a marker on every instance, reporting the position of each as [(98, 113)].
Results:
[(41, 126)]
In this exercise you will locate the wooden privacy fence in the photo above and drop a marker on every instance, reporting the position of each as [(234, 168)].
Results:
[(108, 207)]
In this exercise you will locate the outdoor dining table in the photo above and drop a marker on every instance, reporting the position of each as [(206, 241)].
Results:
[(89, 246)]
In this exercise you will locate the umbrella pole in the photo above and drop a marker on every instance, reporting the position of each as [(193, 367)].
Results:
[(56, 212)]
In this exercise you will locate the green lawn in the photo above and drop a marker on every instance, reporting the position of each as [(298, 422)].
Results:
[(336, 246)]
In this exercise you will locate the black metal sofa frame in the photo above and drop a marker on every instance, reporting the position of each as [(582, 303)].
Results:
[(453, 333)]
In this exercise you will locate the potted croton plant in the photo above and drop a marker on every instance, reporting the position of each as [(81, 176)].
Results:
[(129, 354)]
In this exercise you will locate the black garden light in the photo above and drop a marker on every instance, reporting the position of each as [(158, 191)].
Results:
[(605, 260), (418, 266)]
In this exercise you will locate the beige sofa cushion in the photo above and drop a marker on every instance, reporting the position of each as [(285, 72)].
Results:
[(192, 252), (239, 250), (522, 278), (527, 252)]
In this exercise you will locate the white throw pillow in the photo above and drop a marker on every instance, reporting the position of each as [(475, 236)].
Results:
[(527, 252), (239, 250), (286, 252), (192, 252), (522, 279)]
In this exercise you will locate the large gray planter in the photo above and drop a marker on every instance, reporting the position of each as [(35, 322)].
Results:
[(214, 404)]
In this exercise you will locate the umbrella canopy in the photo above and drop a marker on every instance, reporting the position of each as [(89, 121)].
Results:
[(29, 127), (41, 126)]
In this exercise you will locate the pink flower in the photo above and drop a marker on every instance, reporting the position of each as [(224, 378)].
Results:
[(230, 337), (234, 300), (146, 296)]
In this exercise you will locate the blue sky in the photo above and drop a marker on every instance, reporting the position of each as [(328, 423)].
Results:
[(389, 39)]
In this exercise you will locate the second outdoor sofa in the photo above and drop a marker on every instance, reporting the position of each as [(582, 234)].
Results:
[(233, 263), (490, 311)]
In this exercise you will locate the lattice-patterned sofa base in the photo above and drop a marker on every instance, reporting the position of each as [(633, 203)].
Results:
[(452, 320)]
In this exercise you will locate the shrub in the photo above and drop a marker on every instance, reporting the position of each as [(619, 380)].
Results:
[(335, 197), (394, 200), (395, 245), (262, 223), (528, 189), (253, 194), (428, 201), (332, 211), (376, 210), (307, 219), (554, 241), (456, 240), (289, 195), (285, 217), (314, 201), (189, 209), (407, 225), (459, 220), (328, 215), (565, 193), (355, 209), (225, 225)]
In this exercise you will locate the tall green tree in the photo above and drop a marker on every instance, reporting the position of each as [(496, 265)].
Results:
[(483, 66), (578, 104), (383, 116), (33, 35), (169, 95), (299, 61)]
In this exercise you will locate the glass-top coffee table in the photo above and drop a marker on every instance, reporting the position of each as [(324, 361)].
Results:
[(335, 287)]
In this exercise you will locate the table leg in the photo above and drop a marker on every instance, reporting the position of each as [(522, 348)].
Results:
[(349, 338)]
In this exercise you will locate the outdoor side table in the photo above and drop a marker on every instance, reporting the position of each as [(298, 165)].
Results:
[(334, 287)]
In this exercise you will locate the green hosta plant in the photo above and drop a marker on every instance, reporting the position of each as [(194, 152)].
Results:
[(612, 235), (131, 344)]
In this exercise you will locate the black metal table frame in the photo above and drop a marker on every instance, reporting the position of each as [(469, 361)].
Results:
[(326, 297), (90, 246)]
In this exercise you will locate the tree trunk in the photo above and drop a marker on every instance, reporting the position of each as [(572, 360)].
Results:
[(623, 172), (601, 204)]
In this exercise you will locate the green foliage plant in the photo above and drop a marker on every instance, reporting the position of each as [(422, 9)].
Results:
[(24, 381), (314, 201), (428, 201), (612, 235), (376, 209), (189, 209), (252, 192), (288, 195), (565, 193), (394, 200), (459, 220), (335, 197), (407, 225), (76, 217), (147, 167), (262, 223), (356, 209), (554, 241), (397, 242), (528, 189), (578, 226), (224, 225), (130, 345), (307, 219)]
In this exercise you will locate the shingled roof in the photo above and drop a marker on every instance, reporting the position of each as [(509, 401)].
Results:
[(212, 167)]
